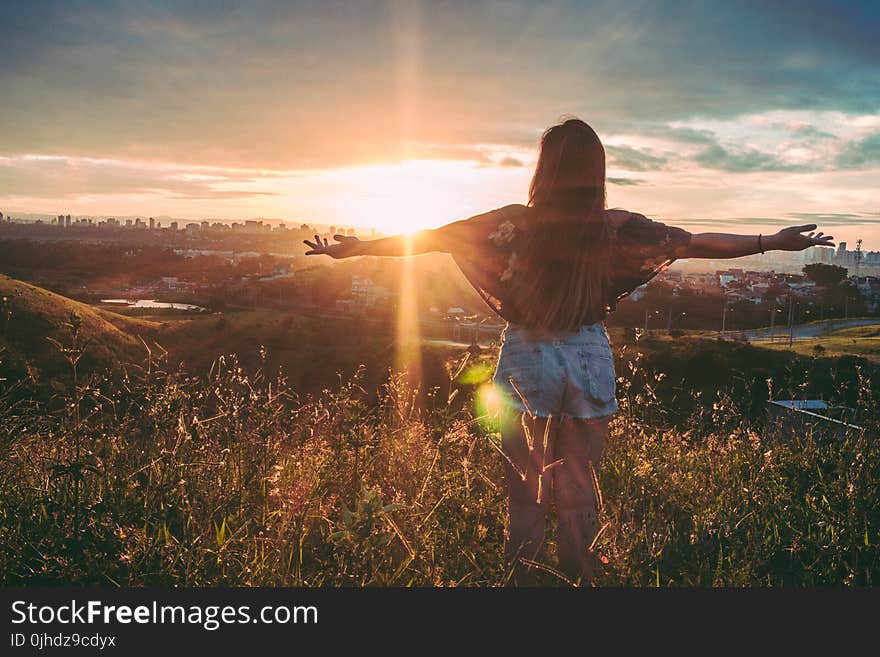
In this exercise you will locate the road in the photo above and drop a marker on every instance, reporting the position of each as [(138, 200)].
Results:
[(802, 331)]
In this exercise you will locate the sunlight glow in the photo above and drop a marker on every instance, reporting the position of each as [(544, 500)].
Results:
[(415, 194), (488, 402), (408, 357)]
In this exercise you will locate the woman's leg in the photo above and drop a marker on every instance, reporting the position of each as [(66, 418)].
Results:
[(580, 443), (524, 535)]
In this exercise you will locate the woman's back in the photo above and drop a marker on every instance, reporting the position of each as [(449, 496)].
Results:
[(489, 250)]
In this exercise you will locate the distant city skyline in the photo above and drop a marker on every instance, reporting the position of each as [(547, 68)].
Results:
[(716, 116)]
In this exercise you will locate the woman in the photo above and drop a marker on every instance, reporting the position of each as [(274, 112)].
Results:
[(554, 269)]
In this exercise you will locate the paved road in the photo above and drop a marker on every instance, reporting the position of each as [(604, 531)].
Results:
[(803, 331)]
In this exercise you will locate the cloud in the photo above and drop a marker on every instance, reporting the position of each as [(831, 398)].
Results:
[(627, 182), (511, 162), (745, 160), (823, 220), (812, 133), (749, 221), (837, 219), (632, 159), (681, 134), (303, 84), (61, 177), (861, 154)]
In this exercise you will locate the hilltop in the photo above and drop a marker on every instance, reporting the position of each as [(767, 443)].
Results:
[(31, 317), (684, 372)]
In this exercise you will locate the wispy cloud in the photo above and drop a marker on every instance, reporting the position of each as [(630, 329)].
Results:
[(823, 220), (626, 182), (837, 219), (509, 161), (65, 178), (744, 160), (812, 133), (861, 154), (633, 159)]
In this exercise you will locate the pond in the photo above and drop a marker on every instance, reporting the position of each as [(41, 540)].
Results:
[(153, 304)]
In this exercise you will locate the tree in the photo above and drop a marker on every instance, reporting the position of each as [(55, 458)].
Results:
[(825, 275)]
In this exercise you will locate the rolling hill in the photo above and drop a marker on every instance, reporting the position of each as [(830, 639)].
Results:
[(32, 317)]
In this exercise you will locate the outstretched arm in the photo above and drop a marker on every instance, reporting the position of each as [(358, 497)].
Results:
[(728, 245), (424, 241)]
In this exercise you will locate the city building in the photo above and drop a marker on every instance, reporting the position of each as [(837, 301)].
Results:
[(364, 292)]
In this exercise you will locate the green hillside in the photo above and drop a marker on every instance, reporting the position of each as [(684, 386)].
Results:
[(32, 317), (854, 341)]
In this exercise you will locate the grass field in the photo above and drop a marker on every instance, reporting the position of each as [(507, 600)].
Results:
[(235, 473), (855, 341), (232, 478)]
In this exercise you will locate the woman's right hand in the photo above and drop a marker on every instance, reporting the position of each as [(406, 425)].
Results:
[(345, 246)]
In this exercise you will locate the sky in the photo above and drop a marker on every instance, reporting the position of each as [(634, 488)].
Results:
[(716, 116)]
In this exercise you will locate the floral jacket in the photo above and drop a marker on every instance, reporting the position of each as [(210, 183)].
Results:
[(485, 247)]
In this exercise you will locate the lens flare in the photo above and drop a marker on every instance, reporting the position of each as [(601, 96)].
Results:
[(488, 402)]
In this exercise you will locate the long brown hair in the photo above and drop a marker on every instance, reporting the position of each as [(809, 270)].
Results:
[(567, 254)]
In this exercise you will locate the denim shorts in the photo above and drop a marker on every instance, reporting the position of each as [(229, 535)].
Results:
[(558, 373)]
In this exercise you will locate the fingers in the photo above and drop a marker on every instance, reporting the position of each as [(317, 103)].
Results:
[(315, 248), (339, 238), (801, 229)]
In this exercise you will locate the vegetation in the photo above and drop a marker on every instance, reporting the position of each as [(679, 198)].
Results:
[(31, 318), (863, 341), (158, 476)]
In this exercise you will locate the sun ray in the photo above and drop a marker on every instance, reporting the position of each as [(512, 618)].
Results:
[(408, 359)]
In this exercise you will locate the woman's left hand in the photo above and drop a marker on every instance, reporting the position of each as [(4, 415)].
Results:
[(345, 246), (791, 239)]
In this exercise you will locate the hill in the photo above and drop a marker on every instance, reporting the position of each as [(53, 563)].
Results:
[(31, 318), (683, 372), (235, 477), (855, 341)]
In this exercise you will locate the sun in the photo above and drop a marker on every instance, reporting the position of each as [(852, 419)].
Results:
[(406, 197)]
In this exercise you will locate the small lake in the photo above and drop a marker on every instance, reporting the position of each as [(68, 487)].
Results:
[(152, 303)]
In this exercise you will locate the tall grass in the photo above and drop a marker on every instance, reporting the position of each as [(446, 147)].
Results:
[(162, 477)]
